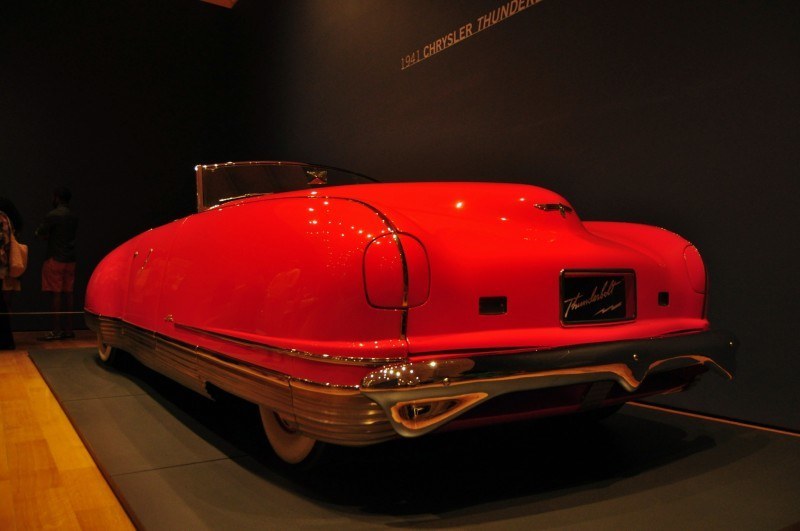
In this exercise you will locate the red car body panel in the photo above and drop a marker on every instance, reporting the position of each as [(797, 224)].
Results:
[(325, 285)]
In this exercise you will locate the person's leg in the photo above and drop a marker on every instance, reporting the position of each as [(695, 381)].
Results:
[(68, 284), (9, 296), (68, 300), (56, 309), (49, 284), (6, 337)]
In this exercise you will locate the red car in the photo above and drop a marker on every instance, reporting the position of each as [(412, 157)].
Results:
[(352, 311)]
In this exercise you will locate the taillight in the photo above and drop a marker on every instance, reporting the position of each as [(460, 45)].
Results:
[(695, 269), (396, 272)]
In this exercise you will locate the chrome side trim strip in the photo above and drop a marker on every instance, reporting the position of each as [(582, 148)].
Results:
[(338, 415), (415, 397), (176, 362), (326, 358)]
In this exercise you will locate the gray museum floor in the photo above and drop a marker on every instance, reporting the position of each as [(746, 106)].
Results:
[(179, 461)]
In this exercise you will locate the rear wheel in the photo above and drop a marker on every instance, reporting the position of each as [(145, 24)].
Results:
[(107, 353), (289, 444)]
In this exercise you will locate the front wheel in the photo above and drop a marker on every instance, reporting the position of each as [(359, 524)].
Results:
[(288, 444)]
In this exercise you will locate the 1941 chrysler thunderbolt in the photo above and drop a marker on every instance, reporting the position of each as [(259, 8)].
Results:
[(352, 312)]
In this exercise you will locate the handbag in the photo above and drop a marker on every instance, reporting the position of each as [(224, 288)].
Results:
[(18, 257)]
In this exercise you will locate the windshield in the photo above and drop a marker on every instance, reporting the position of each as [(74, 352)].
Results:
[(218, 183)]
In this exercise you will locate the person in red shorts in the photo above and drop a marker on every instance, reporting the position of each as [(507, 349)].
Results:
[(59, 228)]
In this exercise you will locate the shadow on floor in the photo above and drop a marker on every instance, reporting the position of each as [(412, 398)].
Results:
[(467, 472)]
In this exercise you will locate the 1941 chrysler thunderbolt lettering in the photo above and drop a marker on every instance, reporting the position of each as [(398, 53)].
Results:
[(352, 311)]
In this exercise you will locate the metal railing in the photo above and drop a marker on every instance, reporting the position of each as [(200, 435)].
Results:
[(40, 313)]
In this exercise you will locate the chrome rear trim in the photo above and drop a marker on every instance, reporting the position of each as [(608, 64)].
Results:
[(415, 397), (421, 396)]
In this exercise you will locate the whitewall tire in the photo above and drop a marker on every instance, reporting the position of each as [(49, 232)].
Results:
[(291, 446), (107, 353)]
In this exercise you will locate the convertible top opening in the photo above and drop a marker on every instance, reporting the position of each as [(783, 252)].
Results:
[(220, 183)]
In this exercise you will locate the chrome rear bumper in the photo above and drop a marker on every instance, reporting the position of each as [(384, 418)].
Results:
[(416, 397), (419, 397)]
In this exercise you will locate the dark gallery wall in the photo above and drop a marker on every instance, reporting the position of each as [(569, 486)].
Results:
[(681, 114), (116, 100), (677, 114)]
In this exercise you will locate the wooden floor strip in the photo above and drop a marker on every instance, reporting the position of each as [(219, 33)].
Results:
[(47, 478)]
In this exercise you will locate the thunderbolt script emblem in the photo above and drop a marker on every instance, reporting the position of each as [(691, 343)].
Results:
[(577, 302), (561, 207)]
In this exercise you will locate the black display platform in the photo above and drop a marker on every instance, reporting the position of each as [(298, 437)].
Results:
[(179, 461)]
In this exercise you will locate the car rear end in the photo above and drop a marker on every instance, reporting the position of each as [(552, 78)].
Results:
[(531, 312)]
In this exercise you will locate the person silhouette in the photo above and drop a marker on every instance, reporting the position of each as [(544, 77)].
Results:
[(59, 228), (10, 224)]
